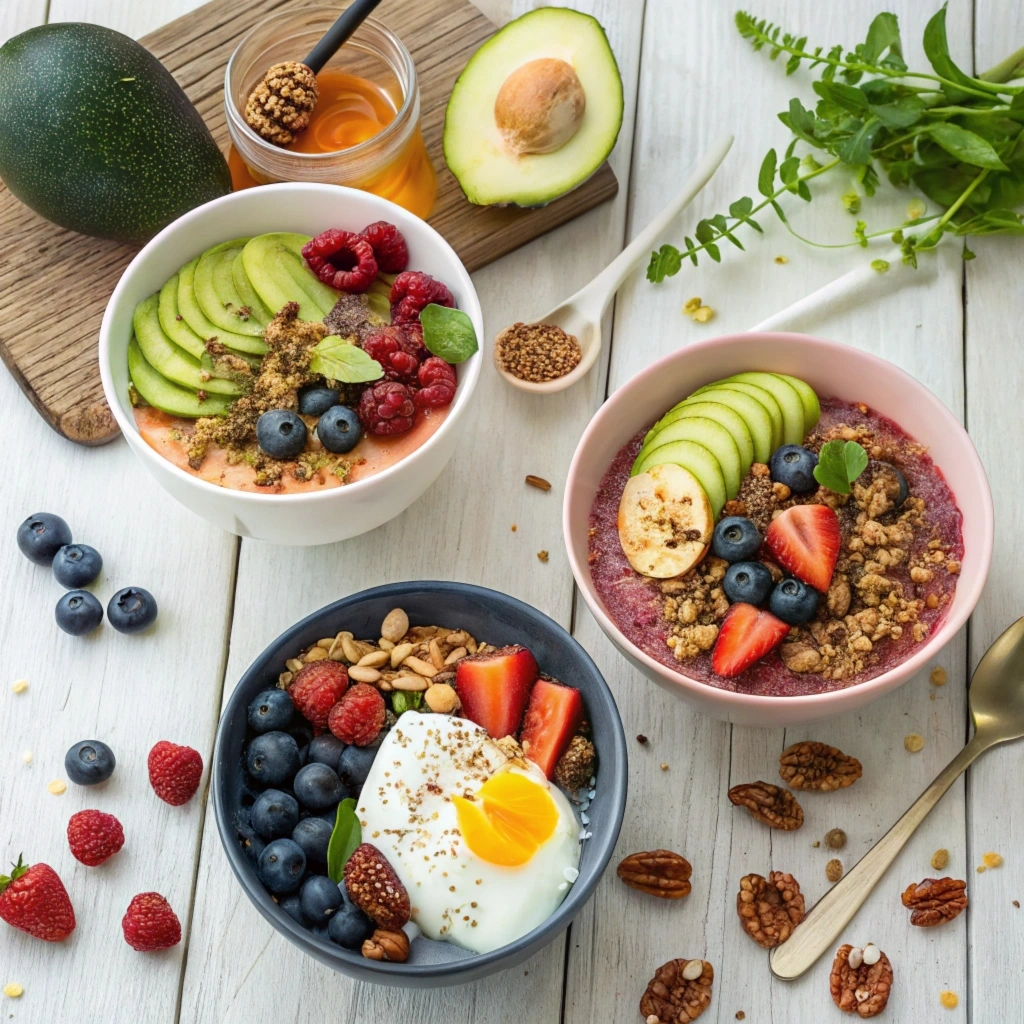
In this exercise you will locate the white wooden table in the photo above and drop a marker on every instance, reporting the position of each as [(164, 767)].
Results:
[(688, 78)]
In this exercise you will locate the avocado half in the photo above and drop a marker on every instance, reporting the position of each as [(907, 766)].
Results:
[(474, 148)]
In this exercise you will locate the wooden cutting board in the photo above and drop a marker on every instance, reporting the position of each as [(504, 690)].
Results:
[(55, 284)]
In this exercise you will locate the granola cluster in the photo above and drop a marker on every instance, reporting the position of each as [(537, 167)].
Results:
[(892, 567)]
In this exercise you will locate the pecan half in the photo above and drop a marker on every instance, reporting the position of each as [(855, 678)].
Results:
[(772, 805), (863, 990), (935, 900), (657, 873), (673, 998), (769, 908), (387, 945), (813, 765), (375, 889)]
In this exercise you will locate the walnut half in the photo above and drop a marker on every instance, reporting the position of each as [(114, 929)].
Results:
[(657, 873), (679, 992), (771, 805), (387, 945), (813, 765), (769, 908), (934, 901), (864, 989)]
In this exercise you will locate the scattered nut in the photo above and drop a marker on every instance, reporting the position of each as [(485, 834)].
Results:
[(855, 957), (940, 858), (950, 1000), (399, 653), (315, 654), (664, 766), (293, 665), (420, 667), (457, 655), (813, 765), (57, 787), (641, 738), (13, 990), (782, 260), (539, 482), (284, 680), (862, 989), (410, 683), (938, 676), (934, 901), (704, 314), (363, 674), (543, 555), (657, 873), (871, 954), (395, 625), (913, 742), (769, 908), (834, 870), (692, 305), (771, 805), (27, 757), (373, 660), (835, 838), (387, 945), (693, 970), (441, 698), (19, 685), (672, 998), (992, 860)]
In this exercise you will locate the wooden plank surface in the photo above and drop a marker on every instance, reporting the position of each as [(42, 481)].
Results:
[(708, 82), (52, 354)]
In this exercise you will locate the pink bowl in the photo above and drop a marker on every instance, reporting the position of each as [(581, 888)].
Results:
[(833, 370)]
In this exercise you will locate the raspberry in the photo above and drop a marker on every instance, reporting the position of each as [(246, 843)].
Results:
[(316, 688), (174, 772), (389, 248), (388, 345), (412, 331), (387, 409), (437, 383), (94, 837), (359, 716), (414, 290), (149, 923), (341, 259)]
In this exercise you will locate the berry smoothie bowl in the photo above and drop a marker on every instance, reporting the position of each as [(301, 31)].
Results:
[(292, 362), (777, 528), (420, 784)]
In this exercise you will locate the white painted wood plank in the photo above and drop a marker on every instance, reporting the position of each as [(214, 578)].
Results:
[(18, 15), (698, 79), (132, 18), (995, 378), (238, 968)]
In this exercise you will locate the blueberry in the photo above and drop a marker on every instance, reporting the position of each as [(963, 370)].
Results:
[(326, 749), (317, 787), (252, 845), (271, 709), (315, 401), (793, 466), (320, 899), (748, 582), (292, 906), (78, 612), (794, 602), (354, 765), (904, 491), (313, 835), (736, 539), (339, 429), (41, 536), (281, 434), (89, 762), (274, 814), (281, 866), (273, 758), (76, 566), (132, 610), (349, 927)]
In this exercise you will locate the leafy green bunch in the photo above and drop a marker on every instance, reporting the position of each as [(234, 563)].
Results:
[(955, 138)]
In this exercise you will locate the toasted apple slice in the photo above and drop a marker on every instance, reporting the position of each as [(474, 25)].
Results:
[(665, 521)]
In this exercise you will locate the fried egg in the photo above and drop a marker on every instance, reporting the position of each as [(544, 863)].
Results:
[(484, 844)]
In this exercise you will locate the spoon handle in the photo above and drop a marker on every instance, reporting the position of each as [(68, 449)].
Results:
[(834, 911), (598, 293), (338, 34)]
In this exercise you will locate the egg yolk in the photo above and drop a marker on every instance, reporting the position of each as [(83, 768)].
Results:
[(510, 818)]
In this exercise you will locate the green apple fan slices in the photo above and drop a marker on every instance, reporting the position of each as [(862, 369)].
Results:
[(715, 435)]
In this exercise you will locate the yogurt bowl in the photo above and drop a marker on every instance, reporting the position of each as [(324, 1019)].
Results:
[(315, 517), (854, 387)]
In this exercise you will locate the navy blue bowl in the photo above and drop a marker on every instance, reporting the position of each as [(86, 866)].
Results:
[(492, 618)]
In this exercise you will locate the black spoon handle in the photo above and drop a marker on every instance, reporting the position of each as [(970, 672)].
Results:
[(337, 35)]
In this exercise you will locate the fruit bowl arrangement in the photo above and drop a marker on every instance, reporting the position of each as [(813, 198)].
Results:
[(304, 809)]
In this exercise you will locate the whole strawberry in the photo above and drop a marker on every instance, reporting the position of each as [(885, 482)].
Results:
[(174, 772), (149, 923), (94, 836), (317, 687), (375, 889), (33, 898)]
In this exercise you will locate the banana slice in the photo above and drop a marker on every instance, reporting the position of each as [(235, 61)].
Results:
[(665, 521)]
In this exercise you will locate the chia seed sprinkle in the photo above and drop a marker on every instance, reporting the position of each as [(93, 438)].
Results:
[(537, 352)]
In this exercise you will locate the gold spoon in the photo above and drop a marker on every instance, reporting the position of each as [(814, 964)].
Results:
[(997, 707)]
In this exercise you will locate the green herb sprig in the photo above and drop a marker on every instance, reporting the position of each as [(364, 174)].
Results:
[(839, 464), (956, 138), (347, 835)]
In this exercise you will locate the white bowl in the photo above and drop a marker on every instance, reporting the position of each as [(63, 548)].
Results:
[(320, 517)]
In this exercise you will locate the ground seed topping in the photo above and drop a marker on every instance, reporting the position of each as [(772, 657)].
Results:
[(537, 352)]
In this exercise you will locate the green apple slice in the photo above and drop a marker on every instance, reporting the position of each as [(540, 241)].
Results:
[(786, 395), (216, 292), (244, 287), (809, 400), (194, 316), (709, 433), (159, 392), (723, 414), (762, 400)]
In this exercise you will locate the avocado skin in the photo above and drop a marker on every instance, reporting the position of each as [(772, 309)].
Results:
[(98, 137)]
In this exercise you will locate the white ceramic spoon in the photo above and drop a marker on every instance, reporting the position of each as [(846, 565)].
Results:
[(581, 315)]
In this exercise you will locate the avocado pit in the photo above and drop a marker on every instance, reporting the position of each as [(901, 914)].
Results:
[(540, 106)]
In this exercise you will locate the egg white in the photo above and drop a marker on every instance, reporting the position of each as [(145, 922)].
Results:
[(406, 811)]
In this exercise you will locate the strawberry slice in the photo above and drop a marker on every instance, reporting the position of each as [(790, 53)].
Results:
[(805, 541), (494, 688), (551, 721), (746, 635)]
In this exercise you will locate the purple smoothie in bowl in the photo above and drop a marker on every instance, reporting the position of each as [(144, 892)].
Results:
[(860, 589)]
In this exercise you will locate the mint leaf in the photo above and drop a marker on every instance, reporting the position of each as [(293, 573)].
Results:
[(448, 333), (766, 175), (666, 262), (839, 464), (347, 835), (967, 146), (340, 359)]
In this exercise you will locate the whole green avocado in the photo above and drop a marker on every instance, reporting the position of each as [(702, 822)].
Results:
[(98, 137)]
